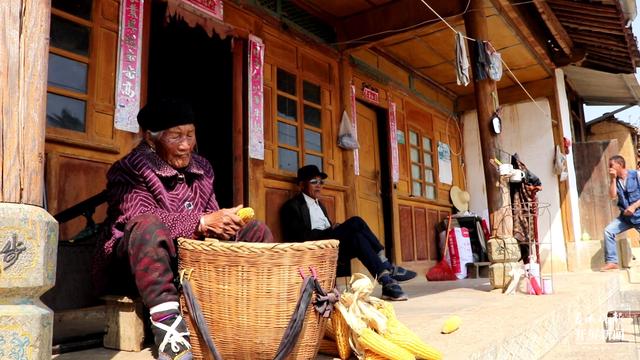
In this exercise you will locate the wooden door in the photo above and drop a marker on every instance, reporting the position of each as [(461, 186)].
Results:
[(369, 199), (592, 180)]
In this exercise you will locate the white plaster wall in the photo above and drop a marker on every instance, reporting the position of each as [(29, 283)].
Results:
[(565, 120), (526, 131)]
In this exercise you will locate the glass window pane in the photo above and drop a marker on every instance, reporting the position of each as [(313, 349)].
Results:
[(286, 82), (312, 116), (413, 138), (313, 160), (69, 36), (287, 108), (416, 172), (428, 161), (311, 92), (426, 144), (287, 134), (312, 140), (430, 192), (416, 188), (428, 176), (415, 155), (65, 112), (79, 8), (288, 160), (67, 74)]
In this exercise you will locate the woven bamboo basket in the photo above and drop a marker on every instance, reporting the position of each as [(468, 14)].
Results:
[(248, 292)]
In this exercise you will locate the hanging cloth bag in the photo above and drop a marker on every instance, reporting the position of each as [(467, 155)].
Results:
[(347, 137)]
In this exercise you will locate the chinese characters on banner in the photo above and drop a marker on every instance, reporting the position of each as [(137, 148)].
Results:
[(256, 107), (209, 7), (354, 114), (393, 140), (128, 75)]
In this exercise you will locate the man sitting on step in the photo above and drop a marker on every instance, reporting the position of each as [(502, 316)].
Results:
[(304, 218)]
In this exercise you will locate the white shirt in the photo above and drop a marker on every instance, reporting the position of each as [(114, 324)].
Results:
[(318, 220)]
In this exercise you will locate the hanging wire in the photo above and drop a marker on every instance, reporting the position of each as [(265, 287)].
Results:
[(512, 75)]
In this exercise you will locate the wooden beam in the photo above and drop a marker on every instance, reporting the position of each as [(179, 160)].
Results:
[(392, 17), (581, 6), (556, 28), (414, 71), (511, 94), (24, 39), (520, 27)]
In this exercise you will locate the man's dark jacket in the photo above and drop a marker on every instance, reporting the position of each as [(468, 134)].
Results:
[(295, 221)]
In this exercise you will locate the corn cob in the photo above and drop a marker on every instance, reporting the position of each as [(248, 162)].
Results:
[(370, 355), (246, 214), (375, 342), (329, 331), (402, 336), (385, 308), (342, 334), (328, 347), (451, 324)]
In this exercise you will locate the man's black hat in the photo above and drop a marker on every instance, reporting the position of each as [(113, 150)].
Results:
[(164, 114), (309, 172)]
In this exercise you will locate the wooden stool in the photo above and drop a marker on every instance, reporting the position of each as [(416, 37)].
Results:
[(478, 270), (125, 326)]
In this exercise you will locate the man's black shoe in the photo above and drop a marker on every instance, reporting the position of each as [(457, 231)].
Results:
[(400, 274), (393, 292)]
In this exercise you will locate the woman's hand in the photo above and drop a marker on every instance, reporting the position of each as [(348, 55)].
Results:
[(222, 224)]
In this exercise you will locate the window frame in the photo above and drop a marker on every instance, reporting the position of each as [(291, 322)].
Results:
[(300, 124), (84, 138), (422, 164)]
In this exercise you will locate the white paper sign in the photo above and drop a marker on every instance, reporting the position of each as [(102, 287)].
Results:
[(444, 164)]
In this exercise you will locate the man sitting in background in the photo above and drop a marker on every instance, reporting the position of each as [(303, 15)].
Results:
[(304, 218)]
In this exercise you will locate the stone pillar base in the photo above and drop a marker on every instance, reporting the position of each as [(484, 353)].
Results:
[(28, 250)]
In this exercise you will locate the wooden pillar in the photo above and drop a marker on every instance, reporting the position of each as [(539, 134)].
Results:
[(24, 40), (28, 234), (485, 91), (351, 200)]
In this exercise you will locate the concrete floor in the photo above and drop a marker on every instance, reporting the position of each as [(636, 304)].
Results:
[(500, 326)]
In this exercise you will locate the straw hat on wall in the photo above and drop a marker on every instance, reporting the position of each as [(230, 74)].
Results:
[(460, 198)]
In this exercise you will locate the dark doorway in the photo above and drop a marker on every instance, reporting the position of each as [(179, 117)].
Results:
[(185, 62), (386, 183)]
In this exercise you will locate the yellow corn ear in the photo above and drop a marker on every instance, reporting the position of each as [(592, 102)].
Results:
[(370, 355), (375, 342), (386, 309), (328, 347), (329, 331), (246, 214), (401, 335), (451, 324), (342, 333)]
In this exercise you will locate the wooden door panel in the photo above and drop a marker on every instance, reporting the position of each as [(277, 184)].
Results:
[(592, 179), (70, 180), (406, 232), (422, 249), (432, 242), (274, 198), (369, 200)]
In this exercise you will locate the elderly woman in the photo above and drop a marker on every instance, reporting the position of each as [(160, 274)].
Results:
[(158, 192)]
